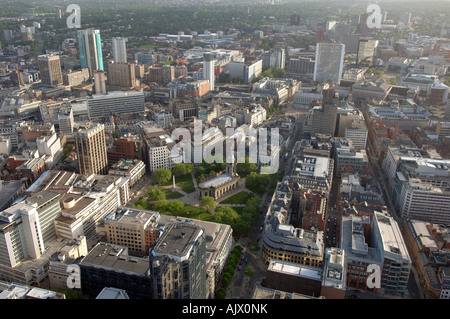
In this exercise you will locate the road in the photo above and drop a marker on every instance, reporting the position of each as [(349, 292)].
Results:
[(242, 286)]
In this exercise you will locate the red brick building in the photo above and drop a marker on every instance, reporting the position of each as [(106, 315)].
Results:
[(124, 148)]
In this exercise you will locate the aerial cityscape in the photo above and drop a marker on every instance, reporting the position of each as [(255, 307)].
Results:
[(225, 149)]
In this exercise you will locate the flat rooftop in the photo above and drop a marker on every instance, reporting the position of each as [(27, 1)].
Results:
[(115, 257), (177, 241), (314, 273)]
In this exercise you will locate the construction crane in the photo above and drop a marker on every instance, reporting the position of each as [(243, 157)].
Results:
[(182, 61)]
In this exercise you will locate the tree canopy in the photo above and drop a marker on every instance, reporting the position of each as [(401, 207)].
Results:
[(208, 203), (162, 175)]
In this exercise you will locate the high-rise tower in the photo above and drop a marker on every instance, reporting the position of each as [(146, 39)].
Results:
[(208, 69), (90, 144), (119, 50), (50, 70), (90, 47), (177, 263), (329, 61)]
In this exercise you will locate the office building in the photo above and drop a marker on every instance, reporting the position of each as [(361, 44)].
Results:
[(9, 192), (124, 148), (129, 168), (75, 78), (66, 120), (352, 126), (121, 75), (428, 246), (438, 94), (90, 143), (184, 109), (15, 291), (329, 62), (159, 152), (163, 118), (352, 188), (321, 119), (302, 66), (84, 200), (177, 263), (367, 50), (283, 241), (253, 116), (108, 265), (377, 240), (198, 88), (274, 58), (115, 103), (128, 221), (304, 100), (208, 70), (49, 147), (245, 70), (119, 50), (419, 184), (312, 165), (346, 157), (405, 18), (61, 260), (50, 70), (293, 278), (100, 82), (334, 274), (21, 232), (90, 48)]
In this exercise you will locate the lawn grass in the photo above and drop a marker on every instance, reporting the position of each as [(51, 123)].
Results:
[(171, 194), (239, 198), (148, 46), (197, 213), (185, 182)]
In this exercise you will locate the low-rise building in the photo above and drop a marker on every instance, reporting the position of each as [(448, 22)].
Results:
[(131, 169)]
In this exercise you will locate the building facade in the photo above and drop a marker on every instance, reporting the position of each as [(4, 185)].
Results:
[(90, 144), (50, 70), (90, 48), (177, 263)]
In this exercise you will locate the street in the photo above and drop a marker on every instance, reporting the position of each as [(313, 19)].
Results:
[(242, 286)]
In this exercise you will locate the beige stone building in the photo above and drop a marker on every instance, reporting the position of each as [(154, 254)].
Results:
[(220, 184)]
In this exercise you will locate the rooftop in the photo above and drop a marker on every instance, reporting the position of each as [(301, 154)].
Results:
[(216, 181), (293, 269), (115, 256), (177, 241)]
